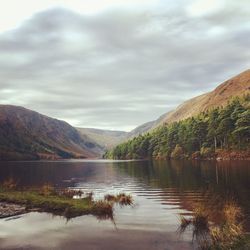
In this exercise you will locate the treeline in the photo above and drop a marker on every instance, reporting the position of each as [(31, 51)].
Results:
[(200, 136)]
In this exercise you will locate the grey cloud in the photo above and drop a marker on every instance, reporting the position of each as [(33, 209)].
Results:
[(120, 68)]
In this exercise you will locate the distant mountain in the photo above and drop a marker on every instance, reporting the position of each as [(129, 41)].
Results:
[(25, 134), (105, 138), (141, 129), (236, 86)]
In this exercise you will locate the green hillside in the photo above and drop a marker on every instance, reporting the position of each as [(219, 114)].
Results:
[(225, 128)]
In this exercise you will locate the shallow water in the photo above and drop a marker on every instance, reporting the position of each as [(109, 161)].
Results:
[(162, 190)]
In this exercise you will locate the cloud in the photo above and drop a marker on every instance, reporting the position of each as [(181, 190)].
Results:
[(201, 7), (121, 67)]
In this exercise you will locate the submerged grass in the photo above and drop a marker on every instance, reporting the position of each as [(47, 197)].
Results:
[(199, 223)]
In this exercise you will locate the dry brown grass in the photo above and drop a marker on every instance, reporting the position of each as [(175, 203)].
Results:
[(226, 235), (10, 184), (122, 199), (230, 233), (125, 200), (232, 213), (47, 190), (70, 193), (106, 208)]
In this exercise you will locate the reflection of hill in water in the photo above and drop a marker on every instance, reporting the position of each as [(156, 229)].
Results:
[(183, 183), (38, 173)]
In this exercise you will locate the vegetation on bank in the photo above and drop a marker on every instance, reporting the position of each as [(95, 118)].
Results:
[(227, 234), (65, 202), (203, 136)]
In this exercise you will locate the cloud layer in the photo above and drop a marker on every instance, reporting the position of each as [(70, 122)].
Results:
[(121, 67)]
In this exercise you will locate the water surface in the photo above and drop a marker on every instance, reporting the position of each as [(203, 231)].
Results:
[(162, 190)]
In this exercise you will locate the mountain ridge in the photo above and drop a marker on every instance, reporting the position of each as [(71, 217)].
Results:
[(27, 134), (105, 138)]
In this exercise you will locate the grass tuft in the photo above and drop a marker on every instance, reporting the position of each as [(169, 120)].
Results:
[(9, 184), (47, 190), (122, 199), (227, 235), (70, 193)]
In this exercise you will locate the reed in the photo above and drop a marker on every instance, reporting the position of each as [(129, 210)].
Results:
[(121, 198), (226, 235)]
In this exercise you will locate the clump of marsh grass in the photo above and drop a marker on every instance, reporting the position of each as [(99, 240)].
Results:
[(106, 209), (47, 190), (70, 193), (121, 198), (9, 184), (226, 235), (199, 224), (232, 213), (230, 234), (110, 197), (125, 200)]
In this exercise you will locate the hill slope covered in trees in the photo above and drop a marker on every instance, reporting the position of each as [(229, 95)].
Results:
[(236, 86), (199, 136)]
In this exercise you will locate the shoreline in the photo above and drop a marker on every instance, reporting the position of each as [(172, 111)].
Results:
[(159, 158), (219, 155), (66, 202), (15, 202)]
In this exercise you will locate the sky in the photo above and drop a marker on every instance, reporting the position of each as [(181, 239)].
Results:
[(115, 64)]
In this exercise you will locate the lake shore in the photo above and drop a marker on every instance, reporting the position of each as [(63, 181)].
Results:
[(218, 155), (224, 155)]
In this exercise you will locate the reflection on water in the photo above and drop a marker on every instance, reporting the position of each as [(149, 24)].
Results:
[(162, 190), (183, 181)]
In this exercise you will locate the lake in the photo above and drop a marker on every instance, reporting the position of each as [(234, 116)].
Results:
[(162, 190)]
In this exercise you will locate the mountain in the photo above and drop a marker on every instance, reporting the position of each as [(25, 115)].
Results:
[(141, 129), (236, 86), (25, 134), (105, 138), (195, 129)]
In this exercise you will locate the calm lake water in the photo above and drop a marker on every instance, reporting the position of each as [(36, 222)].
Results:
[(162, 190)]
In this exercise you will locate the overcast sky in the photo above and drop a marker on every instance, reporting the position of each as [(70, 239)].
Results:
[(115, 64)]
